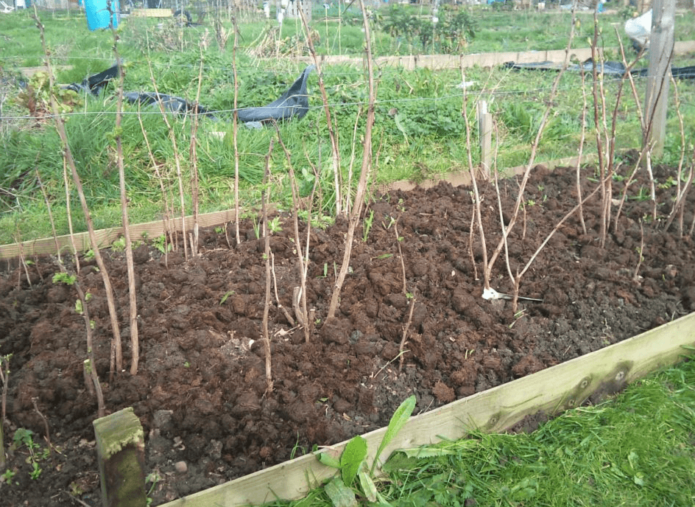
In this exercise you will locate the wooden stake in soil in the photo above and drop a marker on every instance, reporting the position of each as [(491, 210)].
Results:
[(266, 256), (117, 355), (132, 296), (660, 55), (364, 175), (121, 452)]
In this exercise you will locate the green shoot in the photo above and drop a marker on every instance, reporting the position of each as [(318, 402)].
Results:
[(64, 278), (226, 295), (368, 225)]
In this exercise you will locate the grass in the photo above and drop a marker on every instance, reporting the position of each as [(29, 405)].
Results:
[(419, 131), (633, 450)]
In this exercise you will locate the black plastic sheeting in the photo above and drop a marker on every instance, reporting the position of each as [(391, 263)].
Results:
[(294, 103), (609, 68), (95, 83), (170, 102)]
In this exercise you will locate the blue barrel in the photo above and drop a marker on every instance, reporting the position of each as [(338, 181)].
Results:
[(98, 13)]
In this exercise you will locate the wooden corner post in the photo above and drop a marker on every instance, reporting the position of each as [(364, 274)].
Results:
[(661, 46), (485, 137), (121, 449)]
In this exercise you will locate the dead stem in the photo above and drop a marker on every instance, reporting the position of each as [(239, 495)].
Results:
[(499, 205), (289, 318), (624, 196), (116, 352), (597, 126), (168, 212), (43, 418), (193, 155), (235, 126), (266, 256), (400, 255), (364, 175), (67, 206), (581, 149), (347, 191), (177, 157), (471, 236), (302, 314), (681, 194), (132, 292), (641, 252), (534, 147), (50, 214), (474, 181), (401, 347), (324, 98)]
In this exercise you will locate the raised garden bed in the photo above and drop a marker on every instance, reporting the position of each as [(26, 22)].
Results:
[(200, 389)]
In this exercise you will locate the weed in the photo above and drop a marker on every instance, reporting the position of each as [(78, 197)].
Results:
[(153, 478), (118, 245), (352, 462), (256, 228), (64, 278), (78, 307), (274, 225), (368, 225), (36, 471), (89, 254), (219, 230), (8, 476), (159, 243), (226, 295)]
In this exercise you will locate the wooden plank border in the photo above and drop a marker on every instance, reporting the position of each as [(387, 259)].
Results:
[(440, 62), (552, 391), (152, 13), (46, 246), (107, 236), (459, 178)]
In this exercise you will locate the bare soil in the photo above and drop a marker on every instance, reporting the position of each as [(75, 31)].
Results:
[(200, 391)]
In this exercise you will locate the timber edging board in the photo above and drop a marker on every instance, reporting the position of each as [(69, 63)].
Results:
[(46, 246), (552, 391), (439, 62), (107, 236)]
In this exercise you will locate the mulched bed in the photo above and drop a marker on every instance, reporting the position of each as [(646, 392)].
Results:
[(200, 391)]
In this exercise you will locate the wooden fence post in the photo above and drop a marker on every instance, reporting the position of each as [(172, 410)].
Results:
[(661, 46), (121, 449), (485, 136)]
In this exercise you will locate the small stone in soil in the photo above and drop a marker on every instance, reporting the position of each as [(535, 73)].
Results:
[(181, 467)]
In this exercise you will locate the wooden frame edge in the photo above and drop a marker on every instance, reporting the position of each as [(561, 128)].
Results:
[(551, 390)]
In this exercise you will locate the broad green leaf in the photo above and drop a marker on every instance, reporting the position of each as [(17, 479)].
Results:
[(368, 486), (328, 460), (352, 458), (340, 494), (400, 417)]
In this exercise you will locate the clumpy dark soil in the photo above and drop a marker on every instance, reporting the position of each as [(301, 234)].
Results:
[(200, 391)]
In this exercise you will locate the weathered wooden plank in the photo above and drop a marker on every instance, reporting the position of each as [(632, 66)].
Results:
[(440, 62), (552, 390), (107, 236), (151, 13), (459, 178)]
